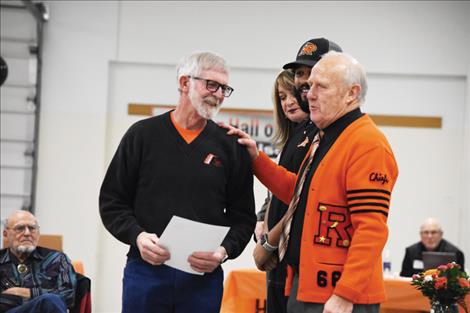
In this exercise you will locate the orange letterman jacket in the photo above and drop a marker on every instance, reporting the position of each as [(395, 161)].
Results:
[(345, 223)]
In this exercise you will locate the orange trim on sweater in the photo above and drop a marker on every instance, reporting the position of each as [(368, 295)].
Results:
[(345, 222), (188, 134)]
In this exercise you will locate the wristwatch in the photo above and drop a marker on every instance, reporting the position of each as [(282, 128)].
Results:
[(264, 242)]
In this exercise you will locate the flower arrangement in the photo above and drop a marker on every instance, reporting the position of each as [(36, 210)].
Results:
[(444, 286)]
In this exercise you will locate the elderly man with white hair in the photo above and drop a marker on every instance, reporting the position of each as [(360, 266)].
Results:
[(431, 240), (335, 228), (32, 278)]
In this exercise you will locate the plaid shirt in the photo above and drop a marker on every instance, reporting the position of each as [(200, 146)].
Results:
[(48, 271)]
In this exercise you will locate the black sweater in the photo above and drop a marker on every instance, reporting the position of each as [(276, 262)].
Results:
[(155, 174)]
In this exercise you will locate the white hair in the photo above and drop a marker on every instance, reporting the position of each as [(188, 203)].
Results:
[(433, 222), (352, 74), (6, 220), (199, 61)]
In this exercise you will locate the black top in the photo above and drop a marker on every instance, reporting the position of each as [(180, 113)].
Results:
[(331, 133), (291, 158), (155, 174), (415, 252)]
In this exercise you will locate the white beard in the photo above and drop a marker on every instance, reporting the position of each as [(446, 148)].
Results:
[(25, 249), (204, 109)]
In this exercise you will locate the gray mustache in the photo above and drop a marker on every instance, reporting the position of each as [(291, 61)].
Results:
[(211, 100)]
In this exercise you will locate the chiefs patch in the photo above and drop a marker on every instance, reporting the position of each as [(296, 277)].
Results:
[(378, 177)]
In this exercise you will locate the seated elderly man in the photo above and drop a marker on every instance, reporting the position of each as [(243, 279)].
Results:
[(431, 240), (32, 278)]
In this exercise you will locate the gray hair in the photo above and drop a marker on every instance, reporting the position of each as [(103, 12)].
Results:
[(199, 61), (353, 74)]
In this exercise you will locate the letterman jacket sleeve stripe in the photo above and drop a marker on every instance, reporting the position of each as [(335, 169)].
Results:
[(370, 211), (368, 197), (361, 204), (368, 190)]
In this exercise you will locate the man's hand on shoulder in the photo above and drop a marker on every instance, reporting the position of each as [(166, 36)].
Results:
[(337, 304), (18, 291), (243, 139), (149, 249)]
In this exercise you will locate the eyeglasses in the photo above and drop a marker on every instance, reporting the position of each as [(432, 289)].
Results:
[(19, 229), (430, 232), (213, 86)]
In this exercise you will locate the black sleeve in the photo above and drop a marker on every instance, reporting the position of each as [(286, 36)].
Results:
[(262, 212), (119, 187), (240, 204), (461, 259), (407, 265)]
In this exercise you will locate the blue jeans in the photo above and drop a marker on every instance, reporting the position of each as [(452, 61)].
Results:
[(46, 303), (163, 289)]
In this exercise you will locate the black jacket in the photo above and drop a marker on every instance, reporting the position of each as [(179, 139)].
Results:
[(415, 252)]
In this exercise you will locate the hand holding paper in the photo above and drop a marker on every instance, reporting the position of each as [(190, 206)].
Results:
[(149, 249), (194, 246), (207, 262)]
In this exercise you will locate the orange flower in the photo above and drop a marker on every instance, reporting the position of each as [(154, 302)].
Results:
[(464, 283), (441, 282)]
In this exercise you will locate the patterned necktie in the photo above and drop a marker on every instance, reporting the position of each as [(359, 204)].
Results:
[(295, 199)]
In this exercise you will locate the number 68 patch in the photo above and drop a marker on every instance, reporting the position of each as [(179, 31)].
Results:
[(323, 279)]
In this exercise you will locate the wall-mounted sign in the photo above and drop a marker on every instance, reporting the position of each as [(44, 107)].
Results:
[(259, 124)]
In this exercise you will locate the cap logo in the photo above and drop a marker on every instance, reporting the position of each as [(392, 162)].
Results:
[(308, 49)]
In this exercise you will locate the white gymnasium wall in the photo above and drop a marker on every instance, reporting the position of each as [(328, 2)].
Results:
[(79, 40), (100, 56), (465, 212), (17, 33)]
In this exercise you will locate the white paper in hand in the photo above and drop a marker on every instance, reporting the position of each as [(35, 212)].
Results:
[(182, 237)]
